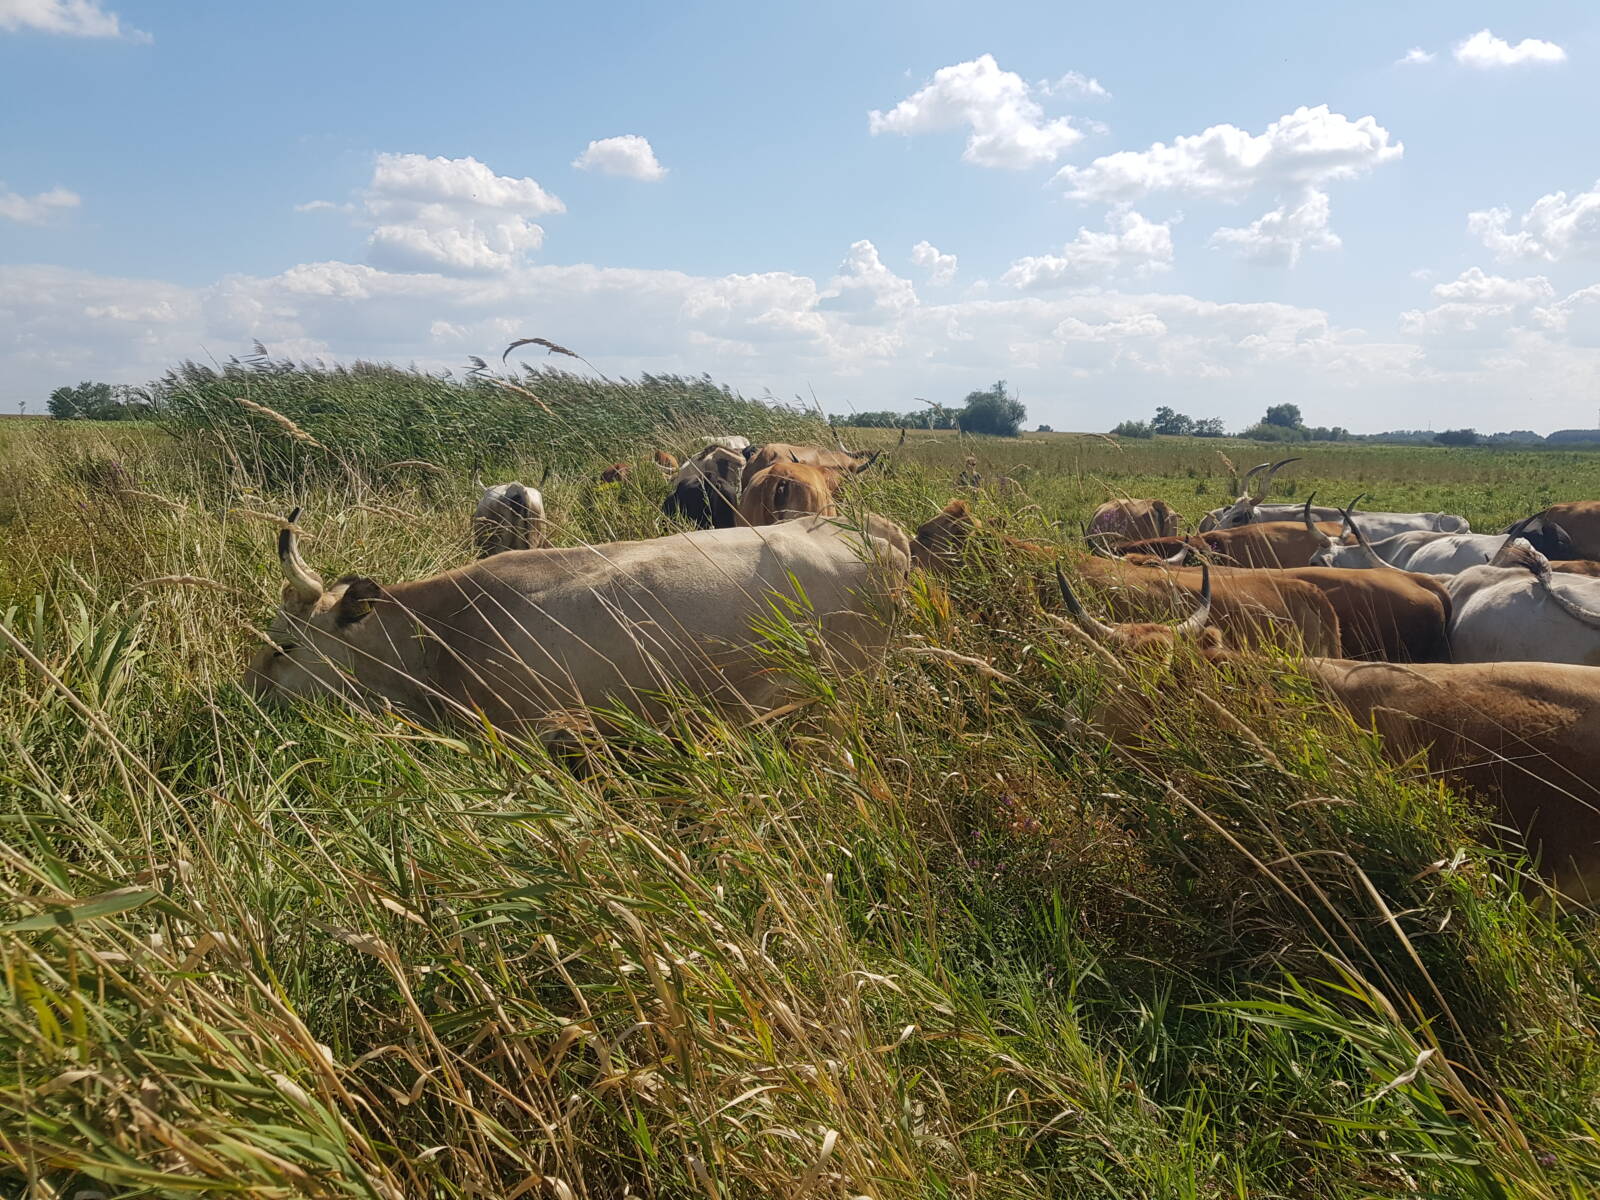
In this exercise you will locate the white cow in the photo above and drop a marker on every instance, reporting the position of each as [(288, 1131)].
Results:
[(1428, 553), (522, 638), (1514, 609), (1248, 509), (509, 516)]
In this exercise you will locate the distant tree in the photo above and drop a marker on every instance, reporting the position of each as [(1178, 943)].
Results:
[(1273, 433), (1044, 429), (1209, 427), (1134, 429), (993, 411), (874, 420), (1174, 424), (1456, 437), (1322, 433), (1286, 416), (87, 401)]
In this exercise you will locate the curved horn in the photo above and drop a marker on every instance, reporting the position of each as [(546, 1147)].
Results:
[(307, 584), (1100, 632), (793, 457), (1311, 526), (1198, 619), (1266, 480), (1361, 539), (1181, 557)]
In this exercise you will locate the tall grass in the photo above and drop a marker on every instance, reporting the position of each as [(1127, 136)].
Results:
[(929, 935)]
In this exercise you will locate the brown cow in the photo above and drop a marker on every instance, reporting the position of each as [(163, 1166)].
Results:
[(1578, 566), (842, 461), (787, 490), (1131, 521), (616, 472), (1524, 735), (942, 544), (1264, 544), (665, 461), (1581, 521)]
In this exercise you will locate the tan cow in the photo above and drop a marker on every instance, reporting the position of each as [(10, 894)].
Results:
[(787, 490), (667, 463), (520, 639), (509, 516), (616, 472), (1131, 521), (842, 461), (1581, 520)]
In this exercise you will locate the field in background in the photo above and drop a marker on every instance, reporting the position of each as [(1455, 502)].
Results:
[(926, 936)]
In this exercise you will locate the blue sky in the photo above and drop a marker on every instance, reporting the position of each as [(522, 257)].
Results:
[(1215, 207)]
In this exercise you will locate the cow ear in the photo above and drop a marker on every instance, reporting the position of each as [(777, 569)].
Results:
[(359, 596), (749, 452)]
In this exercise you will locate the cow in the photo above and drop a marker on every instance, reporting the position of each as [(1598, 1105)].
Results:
[(785, 491), (705, 490), (1578, 566), (1131, 521), (1252, 608), (1249, 509), (509, 516), (1140, 637), (970, 477), (1581, 521), (616, 472), (667, 463), (1267, 544), (1526, 736), (1514, 609), (1428, 553), (521, 640), (843, 462), (942, 545)]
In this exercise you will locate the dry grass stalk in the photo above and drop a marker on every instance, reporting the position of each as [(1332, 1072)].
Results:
[(419, 464), (522, 391), (198, 581), (278, 419), (170, 505)]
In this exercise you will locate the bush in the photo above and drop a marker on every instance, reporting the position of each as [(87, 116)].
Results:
[(993, 412), (1135, 429)]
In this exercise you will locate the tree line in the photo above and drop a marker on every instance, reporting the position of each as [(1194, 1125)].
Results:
[(994, 410)]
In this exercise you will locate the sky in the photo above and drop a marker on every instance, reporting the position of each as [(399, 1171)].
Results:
[(1386, 214)]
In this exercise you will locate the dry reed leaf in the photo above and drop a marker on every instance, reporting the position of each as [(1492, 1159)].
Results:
[(522, 391), (987, 670), (420, 464), (192, 581), (278, 419), (255, 514), (172, 505)]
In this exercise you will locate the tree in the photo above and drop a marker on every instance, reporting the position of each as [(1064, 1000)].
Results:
[(993, 411), (1174, 424), (1045, 429), (1209, 427), (1134, 429), (1456, 437), (85, 402), (1286, 416)]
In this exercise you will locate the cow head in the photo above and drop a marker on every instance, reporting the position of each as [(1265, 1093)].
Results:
[(705, 492), (1149, 637), (325, 639), (1243, 510), (1548, 538)]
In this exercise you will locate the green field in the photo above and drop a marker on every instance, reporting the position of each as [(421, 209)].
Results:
[(926, 936)]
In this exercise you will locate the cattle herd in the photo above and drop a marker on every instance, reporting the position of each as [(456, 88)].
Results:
[(1480, 652)]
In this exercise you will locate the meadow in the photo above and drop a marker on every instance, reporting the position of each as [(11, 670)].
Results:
[(925, 935)]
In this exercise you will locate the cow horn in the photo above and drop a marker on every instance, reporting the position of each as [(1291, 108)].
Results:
[(1361, 538), (1266, 481), (1179, 558), (793, 457), (1099, 631), (307, 583), (1311, 526), (1198, 619)]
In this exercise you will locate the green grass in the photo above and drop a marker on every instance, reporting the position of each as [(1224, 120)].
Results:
[(928, 936)]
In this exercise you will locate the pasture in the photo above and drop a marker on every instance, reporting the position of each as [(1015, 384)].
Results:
[(926, 934)]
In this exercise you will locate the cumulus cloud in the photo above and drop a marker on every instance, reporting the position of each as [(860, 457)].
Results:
[(1307, 148), (866, 291), (941, 268), (628, 155), (1280, 237), (451, 215), (1475, 286), (1484, 50), (38, 208), (1416, 56), (1131, 245), (1557, 227), (66, 18), (1074, 83), (1007, 125)]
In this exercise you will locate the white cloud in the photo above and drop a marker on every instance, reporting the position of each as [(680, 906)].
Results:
[(1279, 237), (38, 208), (1485, 50), (1474, 286), (452, 215), (1306, 148), (629, 155), (1555, 228), (865, 291), (1008, 127), (68, 18), (1074, 84), (1131, 245), (941, 268), (1416, 55), (317, 206)]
